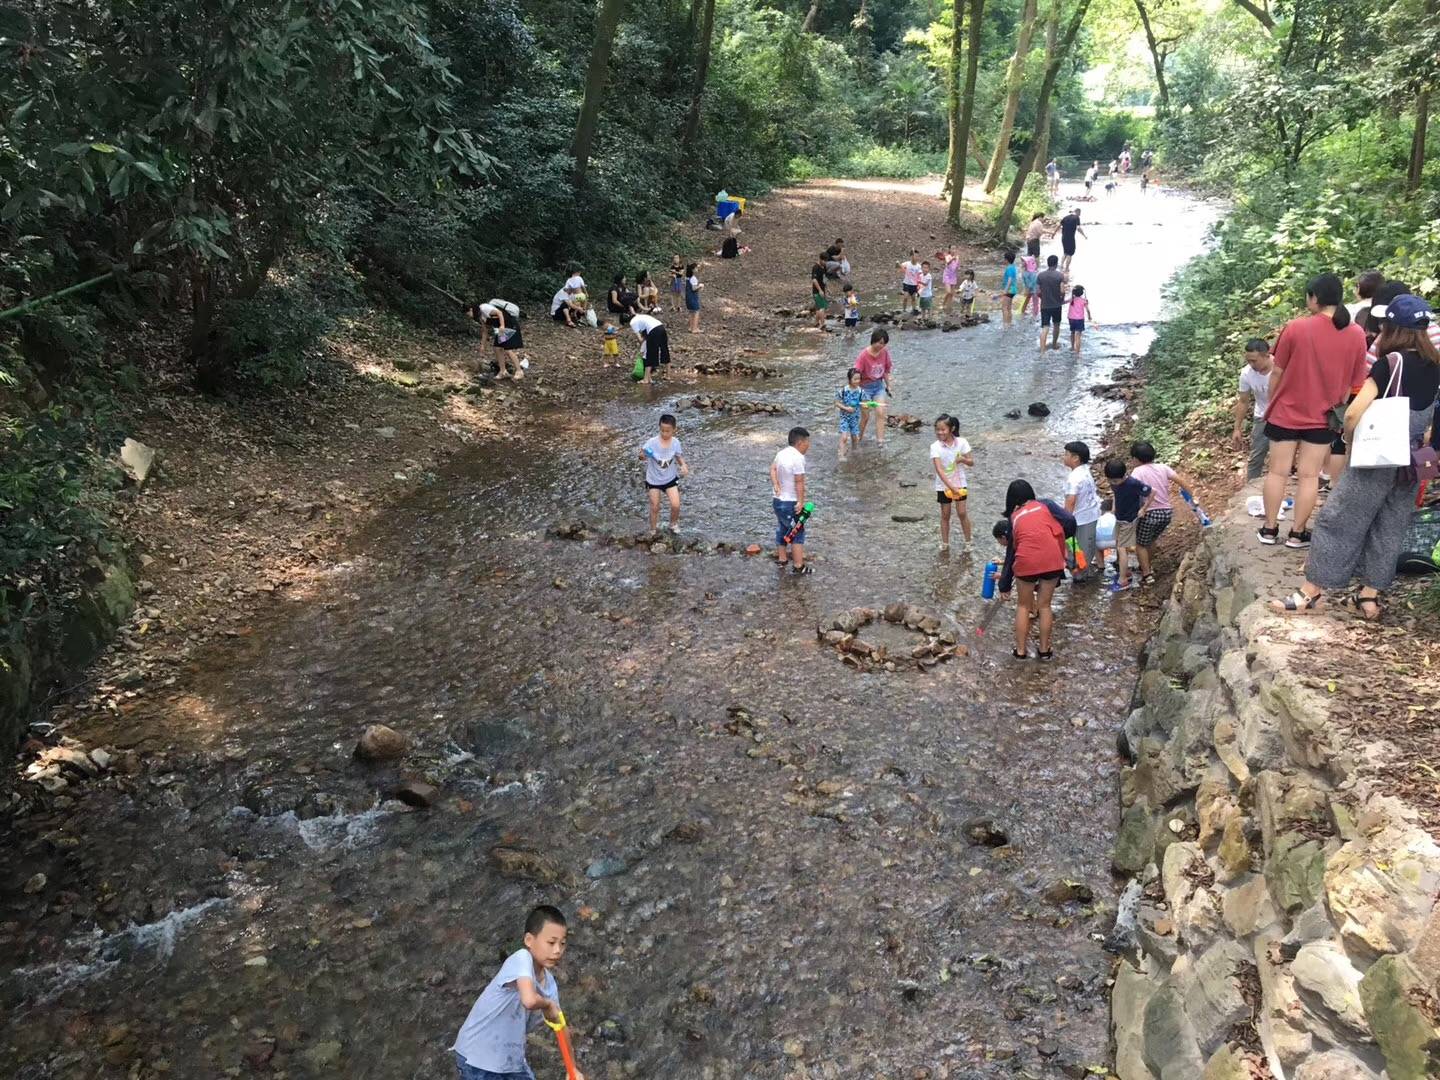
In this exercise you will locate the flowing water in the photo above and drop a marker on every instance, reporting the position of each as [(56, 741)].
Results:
[(762, 848)]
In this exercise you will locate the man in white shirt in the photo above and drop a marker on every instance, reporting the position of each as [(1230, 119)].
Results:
[(1252, 401), (787, 482), (1083, 501)]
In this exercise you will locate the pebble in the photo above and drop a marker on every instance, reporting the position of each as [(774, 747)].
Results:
[(36, 883)]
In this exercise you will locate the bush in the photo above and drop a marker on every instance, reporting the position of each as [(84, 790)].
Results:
[(899, 162), (273, 338)]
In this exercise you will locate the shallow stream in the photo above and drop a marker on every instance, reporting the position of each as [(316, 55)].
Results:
[(762, 848)]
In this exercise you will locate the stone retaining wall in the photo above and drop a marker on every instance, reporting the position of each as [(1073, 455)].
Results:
[(56, 650), (1288, 916)]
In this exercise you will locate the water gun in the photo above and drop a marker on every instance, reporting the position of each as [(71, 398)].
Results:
[(567, 1052), (1081, 562), (798, 521), (1205, 521)]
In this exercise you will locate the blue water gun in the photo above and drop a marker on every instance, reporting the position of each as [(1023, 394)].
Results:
[(1205, 521)]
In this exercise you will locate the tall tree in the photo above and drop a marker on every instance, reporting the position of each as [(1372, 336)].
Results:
[(960, 132), (1052, 42), (809, 24), (1014, 83), (1261, 11), (605, 25), (1042, 117), (1416, 168), (1159, 46), (702, 72)]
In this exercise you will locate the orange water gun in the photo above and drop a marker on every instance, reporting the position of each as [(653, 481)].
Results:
[(562, 1036)]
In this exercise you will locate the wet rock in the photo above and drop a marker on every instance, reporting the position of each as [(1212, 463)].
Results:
[(687, 832), (379, 743), (896, 612), (1013, 414), (322, 1057), (385, 432), (1065, 891), (35, 884), (983, 832), (417, 793), (1038, 408), (524, 865), (752, 549), (605, 868), (906, 519), (1135, 841)]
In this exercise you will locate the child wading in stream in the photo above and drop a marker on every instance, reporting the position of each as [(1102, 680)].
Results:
[(848, 400), (491, 1042), (949, 456), (664, 460), (1035, 557), (787, 482)]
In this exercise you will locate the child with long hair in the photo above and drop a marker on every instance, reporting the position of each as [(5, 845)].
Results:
[(1035, 557)]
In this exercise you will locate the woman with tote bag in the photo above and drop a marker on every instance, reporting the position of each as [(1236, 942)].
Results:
[(1361, 528)]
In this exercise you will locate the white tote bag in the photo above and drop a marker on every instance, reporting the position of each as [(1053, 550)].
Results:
[(1382, 437)]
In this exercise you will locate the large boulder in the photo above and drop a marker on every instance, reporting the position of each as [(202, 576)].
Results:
[(1403, 1009), (1329, 987), (1133, 991), (1295, 871), (1214, 998), (1381, 888), (1171, 1050)]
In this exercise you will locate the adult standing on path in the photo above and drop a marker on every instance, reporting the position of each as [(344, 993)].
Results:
[(873, 363), (1051, 284), (1318, 358), (1361, 528), (654, 343), (1069, 226)]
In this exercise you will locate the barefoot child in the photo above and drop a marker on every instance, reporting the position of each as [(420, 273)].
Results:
[(787, 482), (1157, 511), (927, 288), (1009, 286), (910, 283), (1129, 495), (949, 277), (852, 311), (611, 343), (1035, 556), (1079, 312), (847, 400), (873, 363), (491, 1042), (664, 460), (677, 283), (819, 294), (949, 456), (1028, 276), (692, 297), (967, 294)]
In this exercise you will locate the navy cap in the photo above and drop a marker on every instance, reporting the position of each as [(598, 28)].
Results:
[(1409, 312)]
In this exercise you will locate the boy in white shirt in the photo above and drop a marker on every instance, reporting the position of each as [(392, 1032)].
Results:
[(787, 482), (1253, 400), (910, 282), (1083, 501), (927, 287)]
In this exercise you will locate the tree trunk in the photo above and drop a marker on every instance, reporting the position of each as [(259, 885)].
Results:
[(1157, 58), (697, 93), (605, 25), (809, 24), (1042, 116), (955, 160), (1416, 169), (1260, 13), (1014, 83), (959, 151)]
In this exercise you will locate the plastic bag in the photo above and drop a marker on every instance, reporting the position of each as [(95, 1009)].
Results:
[(638, 371)]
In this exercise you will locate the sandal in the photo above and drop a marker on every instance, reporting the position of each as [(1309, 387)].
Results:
[(1299, 539), (1297, 602), (796, 571), (1358, 602), (1269, 535), (1048, 654), (1019, 655)]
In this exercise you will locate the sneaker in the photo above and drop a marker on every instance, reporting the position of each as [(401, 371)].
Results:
[(1297, 539), (1269, 536)]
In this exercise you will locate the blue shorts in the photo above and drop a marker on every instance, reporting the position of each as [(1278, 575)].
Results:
[(850, 423), (692, 302), (784, 521), (470, 1072), (872, 391), (1077, 326)]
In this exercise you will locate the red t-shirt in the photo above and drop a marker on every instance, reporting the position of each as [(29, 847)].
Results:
[(1039, 540), (1321, 365), (872, 368)]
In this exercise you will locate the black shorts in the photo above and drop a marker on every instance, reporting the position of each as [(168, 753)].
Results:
[(1068, 246), (663, 487), (1050, 315), (853, 322), (942, 497), (1032, 247), (910, 290), (559, 315), (1318, 436), (1049, 575)]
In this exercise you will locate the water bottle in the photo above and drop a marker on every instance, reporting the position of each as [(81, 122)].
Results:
[(987, 586)]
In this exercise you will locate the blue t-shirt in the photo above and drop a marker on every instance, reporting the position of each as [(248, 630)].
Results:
[(1130, 494), (851, 396), (493, 1035), (662, 462), (1010, 281)]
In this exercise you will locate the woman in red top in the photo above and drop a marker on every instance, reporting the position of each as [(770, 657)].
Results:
[(873, 363), (1035, 556), (1318, 358)]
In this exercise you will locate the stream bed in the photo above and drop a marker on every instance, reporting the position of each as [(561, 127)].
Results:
[(762, 849)]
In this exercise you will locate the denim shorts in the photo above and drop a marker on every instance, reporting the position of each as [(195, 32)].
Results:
[(784, 521), (470, 1072), (872, 391)]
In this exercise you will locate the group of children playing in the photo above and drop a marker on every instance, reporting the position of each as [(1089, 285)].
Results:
[(917, 283), (1023, 280)]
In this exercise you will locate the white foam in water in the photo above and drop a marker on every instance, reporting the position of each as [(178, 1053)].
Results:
[(103, 953), (343, 831)]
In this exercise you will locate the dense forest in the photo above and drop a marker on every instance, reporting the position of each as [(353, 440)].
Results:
[(244, 172)]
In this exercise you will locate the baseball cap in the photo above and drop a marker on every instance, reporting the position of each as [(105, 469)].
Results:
[(1408, 312)]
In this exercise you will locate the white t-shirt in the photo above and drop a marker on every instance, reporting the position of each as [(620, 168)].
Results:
[(643, 324), (1257, 385), (912, 273), (694, 283), (1081, 484), (493, 1035), (558, 301), (488, 311), (967, 290), (789, 463), (950, 463), (574, 283), (927, 288), (662, 463)]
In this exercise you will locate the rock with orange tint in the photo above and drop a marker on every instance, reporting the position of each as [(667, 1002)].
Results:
[(380, 743)]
